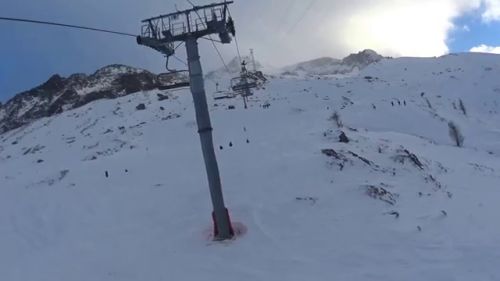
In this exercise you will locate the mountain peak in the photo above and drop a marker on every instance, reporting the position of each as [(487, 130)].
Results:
[(363, 58), (55, 83), (117, 69), (331, 66)]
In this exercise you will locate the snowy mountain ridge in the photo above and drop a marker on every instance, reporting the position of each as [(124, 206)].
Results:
[(330, 66), (59, 94)]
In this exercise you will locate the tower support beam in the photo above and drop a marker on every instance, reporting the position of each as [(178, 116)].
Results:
[(222, 224)]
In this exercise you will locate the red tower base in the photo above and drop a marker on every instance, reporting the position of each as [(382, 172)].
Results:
[(216, 228)]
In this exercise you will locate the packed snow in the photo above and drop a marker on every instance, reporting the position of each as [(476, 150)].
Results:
[(395, 200)]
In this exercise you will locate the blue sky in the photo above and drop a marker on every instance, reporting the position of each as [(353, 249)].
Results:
[(471, 31), (281, 32)]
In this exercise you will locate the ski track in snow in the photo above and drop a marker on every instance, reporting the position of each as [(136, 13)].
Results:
[(398, 202)]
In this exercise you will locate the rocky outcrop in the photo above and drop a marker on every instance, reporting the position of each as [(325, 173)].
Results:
[(362, 59), (59, 94), (331, 66)]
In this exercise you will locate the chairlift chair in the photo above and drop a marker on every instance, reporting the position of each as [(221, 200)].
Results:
[(173, 79), (221, 95), (242, 85)]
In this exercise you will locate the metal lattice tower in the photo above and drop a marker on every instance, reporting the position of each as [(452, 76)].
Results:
[(161, 33)]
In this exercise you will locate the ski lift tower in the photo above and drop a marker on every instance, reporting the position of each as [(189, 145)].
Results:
[(243, 84), (161, 33), (253, 61)]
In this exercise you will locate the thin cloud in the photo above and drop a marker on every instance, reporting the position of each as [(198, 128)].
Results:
[(486, 49), (492, 10)]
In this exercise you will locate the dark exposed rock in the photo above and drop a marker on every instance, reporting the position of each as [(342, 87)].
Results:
[(331, 66), (54, 84), (404, 155), (381, 193), (162, 97), (141, 107), (171, 116), (343, 138), (364, 160), (330, 153), (132, 83), (33, 150), (57, 106), (394, 213), (362, 59)]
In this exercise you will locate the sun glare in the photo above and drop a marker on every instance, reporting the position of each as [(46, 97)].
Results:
[(410, 30)]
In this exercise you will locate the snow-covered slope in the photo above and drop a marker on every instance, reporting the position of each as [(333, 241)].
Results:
[(399, 201)]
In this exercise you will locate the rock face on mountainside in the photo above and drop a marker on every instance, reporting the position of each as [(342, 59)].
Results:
[(59, 94), (362, 59), (331, 66)]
